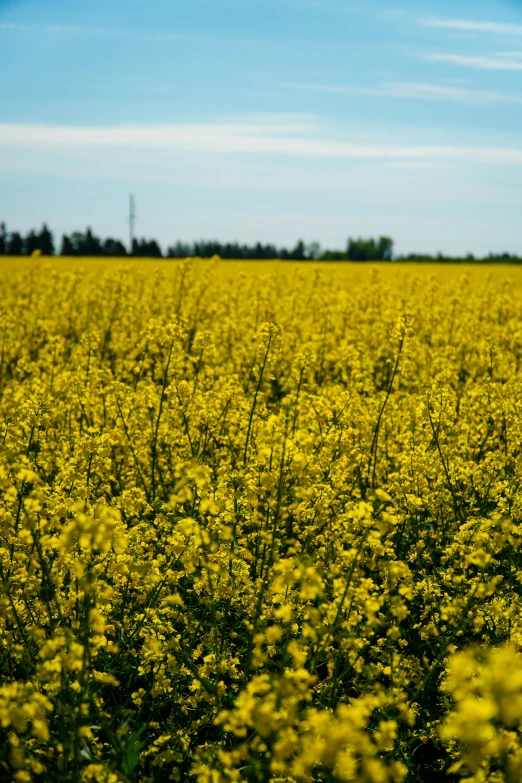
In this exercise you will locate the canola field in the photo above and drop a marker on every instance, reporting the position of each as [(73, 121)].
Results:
[(260, 523)]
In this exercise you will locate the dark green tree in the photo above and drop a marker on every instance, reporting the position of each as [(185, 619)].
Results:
[(91, 245), (78, 243), (154, 250), (31, 243), (385, 249), (369, 249), (3, 239), (180, 250), (113, 247), (66, 248), (146, 248), (299, 251), (46, 241), (15, 244)]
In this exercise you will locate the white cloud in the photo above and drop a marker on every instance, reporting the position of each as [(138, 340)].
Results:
[(514, 55), (469, 25), (448, 92), (415, 90), (415, 165), (472, 61), (290, 139)]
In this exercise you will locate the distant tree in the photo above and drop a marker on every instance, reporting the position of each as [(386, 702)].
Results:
[(333, 255), (369, 249), (113, 247), (385, 249), (258, 251), (299, 251), (3, 239), (146, 248), (66, 247), (179, 250), (31, 243), (361, 250), (208, 248), (353, 250), (91, 245), (46, 242), (15, 244), (231, 250), (313, 251), (155, 249), (78, 243)]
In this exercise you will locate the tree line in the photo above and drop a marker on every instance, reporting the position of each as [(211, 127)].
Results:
[(86, 243)]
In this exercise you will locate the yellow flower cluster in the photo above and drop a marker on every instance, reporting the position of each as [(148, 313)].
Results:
[(259, 523)]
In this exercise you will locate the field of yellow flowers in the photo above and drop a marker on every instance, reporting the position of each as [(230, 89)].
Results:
[(260, 523)]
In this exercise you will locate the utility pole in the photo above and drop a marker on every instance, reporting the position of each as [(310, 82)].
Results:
[(132, 220)]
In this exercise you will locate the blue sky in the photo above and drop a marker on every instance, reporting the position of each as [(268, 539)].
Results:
[(266, 120)]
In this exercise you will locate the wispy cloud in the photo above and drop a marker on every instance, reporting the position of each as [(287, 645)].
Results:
[(416, 165), (470, 25), (514, 55), (413, 90), (285, 139), (475, 61)]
